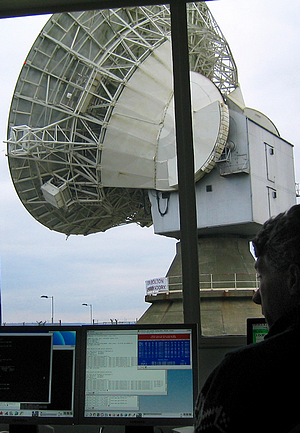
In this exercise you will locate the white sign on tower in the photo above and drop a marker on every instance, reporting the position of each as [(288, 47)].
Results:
[(157, 285)]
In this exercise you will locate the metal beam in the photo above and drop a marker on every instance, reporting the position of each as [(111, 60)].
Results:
[(185, 163)]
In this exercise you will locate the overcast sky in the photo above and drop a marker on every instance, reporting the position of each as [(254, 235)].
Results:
[(108, 270)]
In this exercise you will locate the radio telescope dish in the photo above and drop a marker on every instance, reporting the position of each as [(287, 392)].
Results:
[(76, 105), (139, 148)]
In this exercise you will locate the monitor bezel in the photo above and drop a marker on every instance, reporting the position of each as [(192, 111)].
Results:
[(250, 322), (128, 422), (72, 420)]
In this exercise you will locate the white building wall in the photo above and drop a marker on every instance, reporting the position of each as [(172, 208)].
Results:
[(255, 182), (272, 173)]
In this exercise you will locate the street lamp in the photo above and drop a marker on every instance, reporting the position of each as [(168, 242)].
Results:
[(52, 305), (91, 311)]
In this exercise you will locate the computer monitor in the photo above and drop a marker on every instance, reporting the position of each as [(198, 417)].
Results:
[(139, 376), (38, 374), (257, 329)]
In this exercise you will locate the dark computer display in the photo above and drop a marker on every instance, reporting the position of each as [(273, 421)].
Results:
[(139, 375), (20, 380), (257, 329), (38, 371)]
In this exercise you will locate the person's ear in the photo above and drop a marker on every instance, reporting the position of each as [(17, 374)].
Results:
[(294, 279)]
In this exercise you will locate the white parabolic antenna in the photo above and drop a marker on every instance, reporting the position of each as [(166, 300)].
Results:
[(91, 125)]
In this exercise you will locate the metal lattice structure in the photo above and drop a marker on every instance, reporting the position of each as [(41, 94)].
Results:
[(64, 99)]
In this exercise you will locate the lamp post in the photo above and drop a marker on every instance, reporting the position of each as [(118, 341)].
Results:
[(91, 311), (52, 306)]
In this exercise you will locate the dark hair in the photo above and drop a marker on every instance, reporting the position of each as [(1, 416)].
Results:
[(279, 239)]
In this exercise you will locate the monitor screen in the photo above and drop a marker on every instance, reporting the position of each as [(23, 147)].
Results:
[(257, 329), (37, 374), (139, 375), (17, 372)]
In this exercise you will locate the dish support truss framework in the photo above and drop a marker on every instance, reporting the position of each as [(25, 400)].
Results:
[(64, 98)]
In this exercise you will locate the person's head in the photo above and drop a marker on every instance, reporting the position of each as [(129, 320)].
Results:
[(277, 248)]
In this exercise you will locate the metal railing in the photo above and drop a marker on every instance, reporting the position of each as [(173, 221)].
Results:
[(228, 281)]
